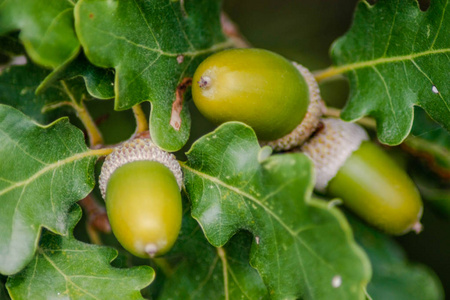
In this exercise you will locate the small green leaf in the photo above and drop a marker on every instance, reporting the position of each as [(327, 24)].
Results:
[(43, 171), (99, 82), (47, 29), (153, 46), (207, 272), (393, 276), (17, 88), (396, 56), (301, 247), (76, 271)]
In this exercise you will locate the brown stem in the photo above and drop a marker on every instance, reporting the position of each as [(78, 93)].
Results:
[(96, 214), (177, 106)]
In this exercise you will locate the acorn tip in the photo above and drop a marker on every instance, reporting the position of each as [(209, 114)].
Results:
[(151, 250), (417, 227)]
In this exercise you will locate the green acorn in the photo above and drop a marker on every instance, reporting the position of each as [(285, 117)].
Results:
[(141, 187), (280, 100), (369, 182)]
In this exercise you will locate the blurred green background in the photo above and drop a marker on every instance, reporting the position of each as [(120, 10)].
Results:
[(303, 31)]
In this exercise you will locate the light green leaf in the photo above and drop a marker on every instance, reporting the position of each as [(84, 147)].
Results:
[(302, 247), (153, 46), (43, 171), (47, 29), (69, 269), (394, 278), (207, 272), (396, 56), (99, 82)]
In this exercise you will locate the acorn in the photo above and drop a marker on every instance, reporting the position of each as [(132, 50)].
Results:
[(280, 100), (348, 166), (141, 186)]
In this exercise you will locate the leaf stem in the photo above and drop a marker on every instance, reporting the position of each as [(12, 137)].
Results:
[(94, 134), (321, 75), (52, 106), (223, 257), (100, 152), (333, 71), (336, 113), (141, 119)]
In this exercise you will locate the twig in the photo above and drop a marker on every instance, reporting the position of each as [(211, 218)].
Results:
[(97, 219)]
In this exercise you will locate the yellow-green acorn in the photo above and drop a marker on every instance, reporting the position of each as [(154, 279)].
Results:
[(141, 187), (369, 182), (280, 100)]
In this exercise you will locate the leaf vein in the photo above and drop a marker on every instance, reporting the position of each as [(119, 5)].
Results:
[(391, 105), (440, 25), (390, 31), (431, 81)]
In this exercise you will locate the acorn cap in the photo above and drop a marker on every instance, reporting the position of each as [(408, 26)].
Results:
[(331, 146), (137, 150), (311, 120)]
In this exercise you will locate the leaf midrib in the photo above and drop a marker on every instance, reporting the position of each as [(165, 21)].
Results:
[(53, 166), (386, 60)]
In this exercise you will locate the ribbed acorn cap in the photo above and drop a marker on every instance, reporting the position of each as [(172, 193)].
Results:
[(309, 123), (137, 150), (331, 146)]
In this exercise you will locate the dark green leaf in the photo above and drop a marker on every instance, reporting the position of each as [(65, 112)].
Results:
[(43, 171), (393, 276), (201, 272), (302, 247), (46, 28), (99, 82), (397, 56), (17, 88), (69, 269), (153, 46)]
